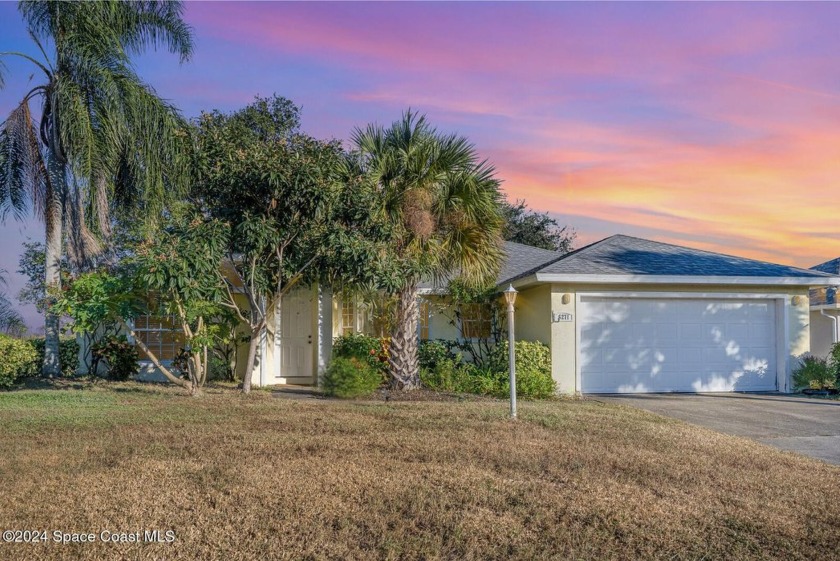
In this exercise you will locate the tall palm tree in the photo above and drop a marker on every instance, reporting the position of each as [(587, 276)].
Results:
[(442, 206), (103, 139)]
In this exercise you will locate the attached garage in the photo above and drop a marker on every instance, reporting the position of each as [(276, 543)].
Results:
[(629, 315), (677, 344)]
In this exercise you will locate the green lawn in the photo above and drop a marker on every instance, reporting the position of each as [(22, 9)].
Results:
[(264, 478)]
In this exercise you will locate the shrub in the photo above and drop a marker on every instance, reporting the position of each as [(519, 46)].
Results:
[(530, 384), (451, 376), (433, 352), (16, 359), (814, 373), (120, 357), (834, 363), (351, 377), (530, 356), (68, 354), (448, 375), (373, 350)]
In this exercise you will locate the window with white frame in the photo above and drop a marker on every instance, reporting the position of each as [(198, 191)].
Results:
[(160, 335), (352, 315)]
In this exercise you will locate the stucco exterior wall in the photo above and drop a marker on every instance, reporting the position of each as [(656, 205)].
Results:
[(441, 319), (822, 332), (532, 314), (794, 334)]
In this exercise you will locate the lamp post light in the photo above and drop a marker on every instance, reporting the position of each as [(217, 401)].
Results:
[(510, 298)]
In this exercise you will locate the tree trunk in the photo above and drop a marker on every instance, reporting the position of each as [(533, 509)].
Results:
[(256, 333), (186, 384), (54, 216), (403, 363)]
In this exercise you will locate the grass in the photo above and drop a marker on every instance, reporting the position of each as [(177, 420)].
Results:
[(264, 478)]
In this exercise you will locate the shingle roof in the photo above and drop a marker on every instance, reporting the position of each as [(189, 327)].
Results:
[(626, 255), (831, 267), (520, 260), (524, 259)]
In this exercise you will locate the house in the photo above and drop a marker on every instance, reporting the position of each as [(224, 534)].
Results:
[(622, 315), (825, 310)]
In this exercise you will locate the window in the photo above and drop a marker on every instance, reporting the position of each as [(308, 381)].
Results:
[(423, 322), (348, 316), (476, 322), (354, 316), (160, 335)]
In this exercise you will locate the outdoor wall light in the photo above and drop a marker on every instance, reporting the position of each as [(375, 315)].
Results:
[(566, 298)]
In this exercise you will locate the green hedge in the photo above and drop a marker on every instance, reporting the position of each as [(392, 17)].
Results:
[(530, 356), (533, 373), (351, 377), (16, 358)]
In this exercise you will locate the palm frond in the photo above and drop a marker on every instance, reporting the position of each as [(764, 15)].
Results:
[(23, 176)]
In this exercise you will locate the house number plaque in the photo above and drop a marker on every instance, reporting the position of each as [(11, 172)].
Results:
[(561, 316)]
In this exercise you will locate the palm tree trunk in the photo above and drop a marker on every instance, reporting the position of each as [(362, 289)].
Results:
[(54, 215), (404, 367)]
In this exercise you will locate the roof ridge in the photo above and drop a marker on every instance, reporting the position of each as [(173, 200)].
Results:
[(553, 261)]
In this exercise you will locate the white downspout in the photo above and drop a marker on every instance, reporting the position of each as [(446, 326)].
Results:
[(833, 319)]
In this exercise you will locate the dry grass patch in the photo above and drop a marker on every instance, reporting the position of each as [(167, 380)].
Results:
[(264, 478)]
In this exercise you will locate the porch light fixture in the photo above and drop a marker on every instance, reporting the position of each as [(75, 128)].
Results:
[(510, 298)]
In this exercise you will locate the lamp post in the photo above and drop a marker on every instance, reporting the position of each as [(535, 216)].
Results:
[(510, 298)]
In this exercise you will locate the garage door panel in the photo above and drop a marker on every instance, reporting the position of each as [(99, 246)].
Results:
[(679, 345)]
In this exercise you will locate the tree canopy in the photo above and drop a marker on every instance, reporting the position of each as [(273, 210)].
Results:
[(526, 226)]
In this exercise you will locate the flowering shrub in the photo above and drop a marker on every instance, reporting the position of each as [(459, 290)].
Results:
[(373, 350)]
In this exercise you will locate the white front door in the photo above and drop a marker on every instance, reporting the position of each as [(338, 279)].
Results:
[(637, 345), (296, 354)]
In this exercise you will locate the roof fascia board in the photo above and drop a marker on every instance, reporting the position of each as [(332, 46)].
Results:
[(686, 279)]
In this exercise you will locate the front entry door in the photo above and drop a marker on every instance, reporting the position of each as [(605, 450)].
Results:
[(296, 338)]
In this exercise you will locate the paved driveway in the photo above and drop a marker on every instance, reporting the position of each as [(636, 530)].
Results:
[(806, 426)]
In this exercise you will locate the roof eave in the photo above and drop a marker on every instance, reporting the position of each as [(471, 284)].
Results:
[(688, 279)]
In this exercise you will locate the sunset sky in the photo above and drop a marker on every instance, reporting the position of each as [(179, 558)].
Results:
[(711, 125)]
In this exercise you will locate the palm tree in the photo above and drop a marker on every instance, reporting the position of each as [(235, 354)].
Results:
[(11, 322), (103, 140), (442, 206)]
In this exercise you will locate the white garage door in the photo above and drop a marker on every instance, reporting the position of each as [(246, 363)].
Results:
[(637, 345)]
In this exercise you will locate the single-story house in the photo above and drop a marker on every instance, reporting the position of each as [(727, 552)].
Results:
[(825, 312), (622, 315)]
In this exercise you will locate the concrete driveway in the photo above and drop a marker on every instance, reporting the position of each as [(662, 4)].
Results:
[(806, 426)]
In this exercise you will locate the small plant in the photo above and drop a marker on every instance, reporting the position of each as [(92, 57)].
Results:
[(17, 357), (351, 377), (119, 356), (814, 373)]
